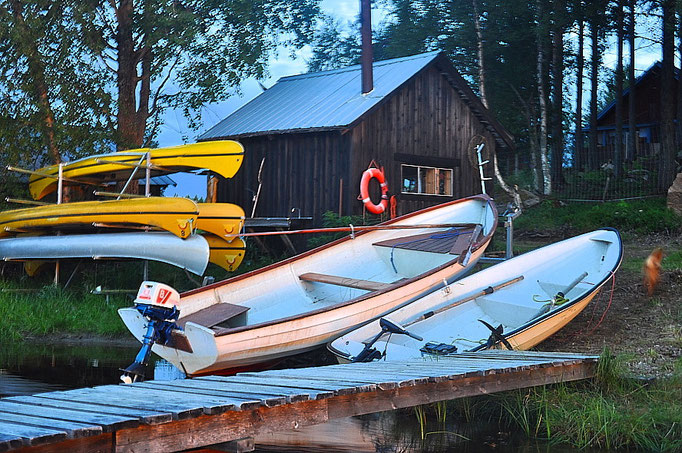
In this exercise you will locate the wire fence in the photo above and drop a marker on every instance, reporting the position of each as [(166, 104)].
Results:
[(598, 180)]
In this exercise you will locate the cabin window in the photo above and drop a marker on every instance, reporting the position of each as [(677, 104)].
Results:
[(427, 180)]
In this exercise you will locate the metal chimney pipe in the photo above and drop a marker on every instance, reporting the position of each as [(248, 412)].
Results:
[(367, 55)]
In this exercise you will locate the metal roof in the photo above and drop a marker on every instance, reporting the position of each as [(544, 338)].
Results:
[(318, 100)]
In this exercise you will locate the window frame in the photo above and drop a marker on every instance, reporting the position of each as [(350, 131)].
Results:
[(420, 190)]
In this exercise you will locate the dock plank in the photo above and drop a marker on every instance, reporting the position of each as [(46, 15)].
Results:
[(31, 435), (185, 414), (71, 428), (77, 417), (143, 416), (10, 442), (235, 389)]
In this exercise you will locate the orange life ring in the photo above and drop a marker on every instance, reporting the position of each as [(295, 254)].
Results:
[(367, 175)]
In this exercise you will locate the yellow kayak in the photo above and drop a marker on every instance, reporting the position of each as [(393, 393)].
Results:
[(220, 219), (176, 215), (228, 255), (223, 157)]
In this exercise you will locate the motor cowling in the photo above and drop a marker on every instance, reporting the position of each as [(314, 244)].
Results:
[(157, 303)]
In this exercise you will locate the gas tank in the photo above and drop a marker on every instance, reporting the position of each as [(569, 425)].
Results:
[(157, 294)]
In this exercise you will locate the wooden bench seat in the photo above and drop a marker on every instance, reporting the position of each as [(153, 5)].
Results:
[(452, 242), (367, 285), (213, 315)]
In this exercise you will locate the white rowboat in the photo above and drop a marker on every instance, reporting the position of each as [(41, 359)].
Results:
[(303, 302), (530, 296)]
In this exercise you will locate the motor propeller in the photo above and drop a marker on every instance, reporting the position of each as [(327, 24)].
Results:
[(496, 336), (369, 354)]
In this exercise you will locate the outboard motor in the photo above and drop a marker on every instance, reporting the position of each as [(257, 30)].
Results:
[(157, 303), (369, 353)]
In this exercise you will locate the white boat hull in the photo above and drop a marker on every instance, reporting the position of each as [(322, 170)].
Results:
[(191, 253), (288, 314), (522, 305)]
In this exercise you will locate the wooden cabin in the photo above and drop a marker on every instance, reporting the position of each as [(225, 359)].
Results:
[(647, 114), (315, 134)]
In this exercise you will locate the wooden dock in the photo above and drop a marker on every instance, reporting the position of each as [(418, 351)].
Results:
[(161, 416)]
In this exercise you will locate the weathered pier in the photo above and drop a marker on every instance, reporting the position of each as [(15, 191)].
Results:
[(161, 416)]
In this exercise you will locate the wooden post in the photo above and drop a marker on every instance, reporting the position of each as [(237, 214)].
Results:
[(340, 197)]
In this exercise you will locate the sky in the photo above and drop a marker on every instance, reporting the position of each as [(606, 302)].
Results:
[(175, 131)]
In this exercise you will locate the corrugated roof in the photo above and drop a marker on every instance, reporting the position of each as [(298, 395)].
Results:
[(319, 100)]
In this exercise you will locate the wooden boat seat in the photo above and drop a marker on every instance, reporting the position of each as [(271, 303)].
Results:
[(454, 241), (213, 315), (367, 285)]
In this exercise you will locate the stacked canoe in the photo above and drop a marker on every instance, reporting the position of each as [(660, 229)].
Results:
[(174, 230)]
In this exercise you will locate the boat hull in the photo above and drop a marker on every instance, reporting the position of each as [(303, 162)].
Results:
[(191, 253), (223, 157), (224, 220), (228, 255), (173, 214), (532, 296), (280, 291)]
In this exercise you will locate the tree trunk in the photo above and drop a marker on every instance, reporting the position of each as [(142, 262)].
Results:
[(557, 92), (479, 49), (668, 167), (618, 151), (131, 123), (592, 157), (36, 74), (542, 96), (578, 161), (632, 99), (484, 99)]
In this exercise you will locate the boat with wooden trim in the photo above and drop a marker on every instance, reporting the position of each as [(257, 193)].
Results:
[(514, 305), (223, 157), (221, 219), (228, 255), (173, 214), (191, 253), (301, 303)]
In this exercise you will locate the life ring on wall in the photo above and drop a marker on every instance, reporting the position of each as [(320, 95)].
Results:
[(367, 175)]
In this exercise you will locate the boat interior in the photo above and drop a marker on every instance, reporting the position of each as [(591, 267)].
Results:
[(573, 271), (371, 261)]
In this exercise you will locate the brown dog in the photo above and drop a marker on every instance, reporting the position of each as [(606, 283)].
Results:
[(652, 270)]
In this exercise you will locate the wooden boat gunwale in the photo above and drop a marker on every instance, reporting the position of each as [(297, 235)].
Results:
[(484, 238), (346, 239)]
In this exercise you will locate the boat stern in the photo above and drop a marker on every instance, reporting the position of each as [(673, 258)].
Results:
[(153, 322)]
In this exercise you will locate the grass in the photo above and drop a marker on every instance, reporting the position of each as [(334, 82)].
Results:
[(612, 411), (52, 310), (636, 216)]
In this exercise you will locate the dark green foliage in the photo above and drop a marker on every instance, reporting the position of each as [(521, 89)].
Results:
[(637, 216), (331, 219)]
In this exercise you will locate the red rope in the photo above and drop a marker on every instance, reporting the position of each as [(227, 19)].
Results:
[(613, 286), (594, 310)]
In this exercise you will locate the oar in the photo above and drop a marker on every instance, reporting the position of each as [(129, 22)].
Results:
[(484, 292)]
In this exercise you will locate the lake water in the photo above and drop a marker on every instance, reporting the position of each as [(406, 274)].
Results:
[(31, 368)]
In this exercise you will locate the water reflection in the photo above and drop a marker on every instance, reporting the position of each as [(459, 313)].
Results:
[(28, 368)]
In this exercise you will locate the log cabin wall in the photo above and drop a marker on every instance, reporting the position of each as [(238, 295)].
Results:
[(302, 171), (425, 123)]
